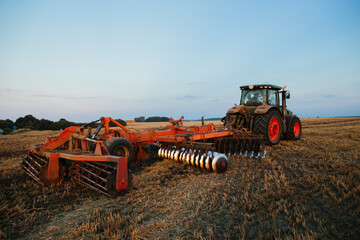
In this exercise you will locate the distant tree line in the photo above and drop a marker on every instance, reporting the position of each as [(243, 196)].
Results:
[(140, 119), (122, 122), (6, 126), (152, 119), (33, 123)]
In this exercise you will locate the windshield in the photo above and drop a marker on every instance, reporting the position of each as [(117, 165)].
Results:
[(253, 97)]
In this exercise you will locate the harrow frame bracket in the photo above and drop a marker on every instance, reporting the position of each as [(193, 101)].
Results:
[(53, 168), (122, 174)]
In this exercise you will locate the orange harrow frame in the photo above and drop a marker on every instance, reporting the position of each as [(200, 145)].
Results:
[(45, 162), (174, 133), (83, 156)]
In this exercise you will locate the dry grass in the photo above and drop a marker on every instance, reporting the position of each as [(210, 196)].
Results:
[(308, 189)]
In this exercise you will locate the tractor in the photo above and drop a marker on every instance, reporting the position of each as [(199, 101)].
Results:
[(261, 112)]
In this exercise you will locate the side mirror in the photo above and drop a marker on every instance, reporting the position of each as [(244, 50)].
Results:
[(287, 95)]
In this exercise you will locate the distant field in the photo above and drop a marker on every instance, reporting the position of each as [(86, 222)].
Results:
[(309, 189)]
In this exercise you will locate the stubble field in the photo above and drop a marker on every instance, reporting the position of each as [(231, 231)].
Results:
[(309, 189)]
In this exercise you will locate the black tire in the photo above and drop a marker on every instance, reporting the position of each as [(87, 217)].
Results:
[(262, 122), (118, 146), (294, 129)]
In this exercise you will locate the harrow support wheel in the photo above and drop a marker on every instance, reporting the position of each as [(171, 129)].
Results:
[(270, 126), (294, 129), (118, 146)]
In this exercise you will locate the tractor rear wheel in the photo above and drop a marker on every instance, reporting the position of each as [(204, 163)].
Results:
[(294, 129), (118, 146), (269, 125)]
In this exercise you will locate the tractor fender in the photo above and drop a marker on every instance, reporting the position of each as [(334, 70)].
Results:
[(262, 109), (236, 109)]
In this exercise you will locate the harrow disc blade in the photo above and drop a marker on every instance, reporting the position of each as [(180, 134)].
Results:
[(208, 163), (219, 163), (176, 155), (197, 160), (192, 159), (202, 161)]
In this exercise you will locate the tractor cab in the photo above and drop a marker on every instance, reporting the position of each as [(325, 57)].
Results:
[(255, 95)]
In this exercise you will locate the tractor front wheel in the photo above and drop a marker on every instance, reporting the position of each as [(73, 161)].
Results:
[(270, 126), (294, 129)]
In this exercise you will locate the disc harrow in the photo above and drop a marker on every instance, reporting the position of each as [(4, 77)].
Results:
[(213, 156), (93, 160)]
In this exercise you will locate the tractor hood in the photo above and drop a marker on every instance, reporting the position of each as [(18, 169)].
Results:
[(237, 109), (262, 109), (242, 109)]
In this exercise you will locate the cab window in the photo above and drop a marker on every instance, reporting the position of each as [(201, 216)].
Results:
[(273, 97), (253, 97)]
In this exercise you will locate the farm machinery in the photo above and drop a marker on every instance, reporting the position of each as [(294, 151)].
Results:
[(262, 113), (100, 159)]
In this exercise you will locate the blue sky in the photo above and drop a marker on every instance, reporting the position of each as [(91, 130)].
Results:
[(80, 60)]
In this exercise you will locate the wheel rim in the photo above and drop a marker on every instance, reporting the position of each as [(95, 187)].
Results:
[(274, 129), (121, 151), (296, 129)]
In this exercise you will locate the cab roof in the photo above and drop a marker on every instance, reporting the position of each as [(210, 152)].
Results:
[(261, 86)]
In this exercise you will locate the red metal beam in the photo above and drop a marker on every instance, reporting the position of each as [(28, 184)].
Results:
[(122, 174), (53, 167)]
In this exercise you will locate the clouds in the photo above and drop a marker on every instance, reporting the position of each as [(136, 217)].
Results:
[(3, 90), (29, 94), (65, 97), (43, 95), (188, 97)]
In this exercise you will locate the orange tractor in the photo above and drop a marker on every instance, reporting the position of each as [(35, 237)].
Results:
[(101, 161)]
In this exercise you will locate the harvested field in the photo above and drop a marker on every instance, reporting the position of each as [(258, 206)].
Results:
[(308, 189)]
